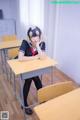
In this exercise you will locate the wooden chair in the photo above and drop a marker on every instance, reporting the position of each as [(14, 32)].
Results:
[(12, 53), (54, 90)]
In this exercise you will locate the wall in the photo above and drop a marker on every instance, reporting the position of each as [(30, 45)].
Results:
[(67, 40), (5, 6), (9, 17), (9, 8)]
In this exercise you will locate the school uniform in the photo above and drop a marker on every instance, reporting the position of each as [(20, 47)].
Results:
[(27, 49)]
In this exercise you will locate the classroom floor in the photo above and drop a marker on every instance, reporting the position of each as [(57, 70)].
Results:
[(8, 102)]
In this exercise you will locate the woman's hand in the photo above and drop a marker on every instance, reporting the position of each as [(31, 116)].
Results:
[(38, 47), (42, 55)]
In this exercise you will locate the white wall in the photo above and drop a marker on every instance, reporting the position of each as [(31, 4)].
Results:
[(9, 8), (67, 40), (5, 6)]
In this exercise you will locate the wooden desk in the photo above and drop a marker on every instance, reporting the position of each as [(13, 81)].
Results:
[(28, 69), (10, 44), (65, 107), (4, 46)]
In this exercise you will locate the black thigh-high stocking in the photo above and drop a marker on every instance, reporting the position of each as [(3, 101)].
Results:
[(26, 88), (37, 82)]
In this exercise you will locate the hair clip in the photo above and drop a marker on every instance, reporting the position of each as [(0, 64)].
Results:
[(30, 33), (37, 32)]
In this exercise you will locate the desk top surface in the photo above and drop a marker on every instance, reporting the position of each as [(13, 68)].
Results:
[(19, 67), (10, 44), (65, 107)]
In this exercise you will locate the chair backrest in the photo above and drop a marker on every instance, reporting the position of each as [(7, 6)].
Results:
[(9, 37), (54, 90)]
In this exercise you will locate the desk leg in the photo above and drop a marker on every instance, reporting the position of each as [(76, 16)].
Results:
[(53, 77), (10, 76), (2, 62), (14, 84), (5, 62), (21, 95), (21, 90), (52, 80), (41, 77)]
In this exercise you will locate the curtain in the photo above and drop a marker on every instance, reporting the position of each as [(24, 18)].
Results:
[(32, 13)]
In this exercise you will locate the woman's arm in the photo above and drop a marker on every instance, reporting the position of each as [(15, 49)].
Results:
[(41, 53), (21, 57)]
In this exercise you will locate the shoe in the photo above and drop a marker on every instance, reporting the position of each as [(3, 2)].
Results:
[(28, 110), (21, 107)]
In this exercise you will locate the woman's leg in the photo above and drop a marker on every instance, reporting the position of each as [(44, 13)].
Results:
[(25, 95), (26, 88), (37, 82)]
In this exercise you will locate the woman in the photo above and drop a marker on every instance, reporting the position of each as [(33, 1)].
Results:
[(30, 50)]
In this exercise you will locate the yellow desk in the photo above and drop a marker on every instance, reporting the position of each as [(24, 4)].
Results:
[(28, 69), (65, 107), (25, 67), (4, 46), (10, 44)]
